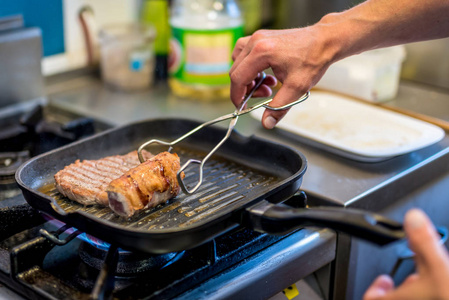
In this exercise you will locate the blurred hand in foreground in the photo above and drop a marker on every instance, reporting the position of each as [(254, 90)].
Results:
[(431, 280)]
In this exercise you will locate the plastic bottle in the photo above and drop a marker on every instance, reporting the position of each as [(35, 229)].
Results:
[(203, 35)]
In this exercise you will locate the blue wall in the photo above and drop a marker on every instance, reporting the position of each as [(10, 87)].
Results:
[(46, 14)]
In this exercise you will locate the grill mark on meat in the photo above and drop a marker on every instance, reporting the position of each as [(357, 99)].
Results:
[(85, 182), (102, 178), (125, 161), (76, 182), (115, 163), (109, 167), (93, 170), (92, 178), (92, 166)]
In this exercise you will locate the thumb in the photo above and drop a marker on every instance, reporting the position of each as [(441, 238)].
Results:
[(424, 241), (288, 93)]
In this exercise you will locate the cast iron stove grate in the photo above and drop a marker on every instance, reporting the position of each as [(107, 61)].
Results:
[(39, 269)]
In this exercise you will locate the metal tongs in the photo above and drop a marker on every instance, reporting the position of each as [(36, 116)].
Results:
[(234, 117)]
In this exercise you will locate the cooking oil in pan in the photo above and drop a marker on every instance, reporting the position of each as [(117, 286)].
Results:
[(48, 189)]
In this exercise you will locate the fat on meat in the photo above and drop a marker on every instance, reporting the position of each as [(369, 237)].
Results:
[(145, 186)]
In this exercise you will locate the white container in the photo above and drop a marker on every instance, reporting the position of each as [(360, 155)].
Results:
[(372, 75)]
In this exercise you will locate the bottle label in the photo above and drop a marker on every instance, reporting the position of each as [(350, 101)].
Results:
[(202, 56)]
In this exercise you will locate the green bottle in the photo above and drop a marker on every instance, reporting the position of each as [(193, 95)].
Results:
[(156, 13), (203, 35)]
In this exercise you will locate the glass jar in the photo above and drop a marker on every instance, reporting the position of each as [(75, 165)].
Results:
[(127, 56)]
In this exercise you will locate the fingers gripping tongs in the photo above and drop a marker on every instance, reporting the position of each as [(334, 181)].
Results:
[(234, 117)]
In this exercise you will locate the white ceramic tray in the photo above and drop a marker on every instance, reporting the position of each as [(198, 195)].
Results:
[(356, 130)]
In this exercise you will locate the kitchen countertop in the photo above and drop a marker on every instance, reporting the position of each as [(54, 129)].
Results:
[(416, 98), (329, 179)]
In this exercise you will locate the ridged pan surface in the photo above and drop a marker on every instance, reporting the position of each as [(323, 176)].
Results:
[(243, 171)]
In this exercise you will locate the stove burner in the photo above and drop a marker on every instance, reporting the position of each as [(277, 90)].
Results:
[(35, 132), (26, 132), (97, 243), (129, 264), (9, 163)]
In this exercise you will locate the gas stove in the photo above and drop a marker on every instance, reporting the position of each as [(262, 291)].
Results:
[(80, 268), (42, 258), (74, 265)]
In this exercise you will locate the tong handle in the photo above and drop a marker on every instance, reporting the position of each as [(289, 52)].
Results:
[(222, 118), (264, 104), (233, 116)]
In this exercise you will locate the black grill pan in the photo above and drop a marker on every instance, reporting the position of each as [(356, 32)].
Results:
[(241, 181)]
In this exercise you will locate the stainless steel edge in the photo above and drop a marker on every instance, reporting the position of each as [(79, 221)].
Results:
[(304, 252)]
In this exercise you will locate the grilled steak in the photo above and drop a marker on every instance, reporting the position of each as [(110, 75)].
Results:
[(147, 185), (85, 181)]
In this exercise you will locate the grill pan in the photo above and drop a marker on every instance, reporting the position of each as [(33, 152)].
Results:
[(244, 183)]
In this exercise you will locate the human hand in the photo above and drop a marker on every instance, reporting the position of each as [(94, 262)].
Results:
[(296, 56), (432, 265)]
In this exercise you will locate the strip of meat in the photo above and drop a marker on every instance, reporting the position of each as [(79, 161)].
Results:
[(145, 186), (86, 181)]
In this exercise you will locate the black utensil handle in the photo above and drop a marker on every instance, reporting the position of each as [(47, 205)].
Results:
[(280, 219)]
